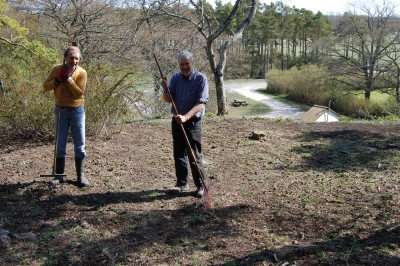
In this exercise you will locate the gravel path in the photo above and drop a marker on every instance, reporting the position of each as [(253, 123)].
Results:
[(278, 109)]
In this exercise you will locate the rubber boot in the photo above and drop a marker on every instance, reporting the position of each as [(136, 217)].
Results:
[(60, 166), (80, 167)]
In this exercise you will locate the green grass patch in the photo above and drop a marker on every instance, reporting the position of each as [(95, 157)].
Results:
[(376, 97), (152, 194), (300, 149), (253, 108)]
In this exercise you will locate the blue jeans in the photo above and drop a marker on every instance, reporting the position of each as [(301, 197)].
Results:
[(193, 131), (74, 119)]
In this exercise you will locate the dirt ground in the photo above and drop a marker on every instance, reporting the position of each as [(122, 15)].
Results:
[(306, 194)]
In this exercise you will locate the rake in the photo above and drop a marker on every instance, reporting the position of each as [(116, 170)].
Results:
[(55, 145), (207, 192)]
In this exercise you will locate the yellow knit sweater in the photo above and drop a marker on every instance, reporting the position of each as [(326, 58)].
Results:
[(72, 93)]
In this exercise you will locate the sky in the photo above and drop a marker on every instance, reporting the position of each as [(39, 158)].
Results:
[(326, 7)]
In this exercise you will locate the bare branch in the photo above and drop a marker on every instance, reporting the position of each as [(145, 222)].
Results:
[(17, 44)]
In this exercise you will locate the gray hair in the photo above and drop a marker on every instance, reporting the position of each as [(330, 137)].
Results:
[(71, 48), (185, 53)]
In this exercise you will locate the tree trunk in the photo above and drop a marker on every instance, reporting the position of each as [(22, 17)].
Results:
[(218, 71), (221, 95), (282, 58), (263, 56), (367, 95), (398, 86)]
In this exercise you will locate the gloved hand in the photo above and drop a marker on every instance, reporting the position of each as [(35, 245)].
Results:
[(62, 74)]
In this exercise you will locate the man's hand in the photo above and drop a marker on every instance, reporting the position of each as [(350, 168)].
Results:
[(62, 74), (181, 119)]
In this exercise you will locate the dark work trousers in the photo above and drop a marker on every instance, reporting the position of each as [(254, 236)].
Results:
[(193, 131)]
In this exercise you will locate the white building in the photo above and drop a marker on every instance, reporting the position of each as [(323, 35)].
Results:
[(319, 113)]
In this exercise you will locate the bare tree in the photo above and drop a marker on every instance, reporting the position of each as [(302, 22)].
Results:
[(392, 76), (95, 26), (162, 36), (210, 29), (365, 32)]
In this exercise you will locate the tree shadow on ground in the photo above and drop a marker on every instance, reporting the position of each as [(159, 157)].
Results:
[(337, 251), (12, 187), (347, 150), (91, 214), (187, 227)]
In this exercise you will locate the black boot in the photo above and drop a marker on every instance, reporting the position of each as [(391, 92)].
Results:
[(60, 166), (80, 167)]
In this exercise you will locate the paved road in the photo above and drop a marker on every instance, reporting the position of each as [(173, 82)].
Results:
[(278, 109)]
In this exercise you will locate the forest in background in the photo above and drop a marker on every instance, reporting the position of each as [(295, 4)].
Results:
[(311, 58)]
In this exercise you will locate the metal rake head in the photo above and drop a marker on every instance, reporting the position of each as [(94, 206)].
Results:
[(207, 199)]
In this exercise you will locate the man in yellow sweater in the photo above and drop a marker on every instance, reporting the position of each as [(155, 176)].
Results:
[(68, 82)]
